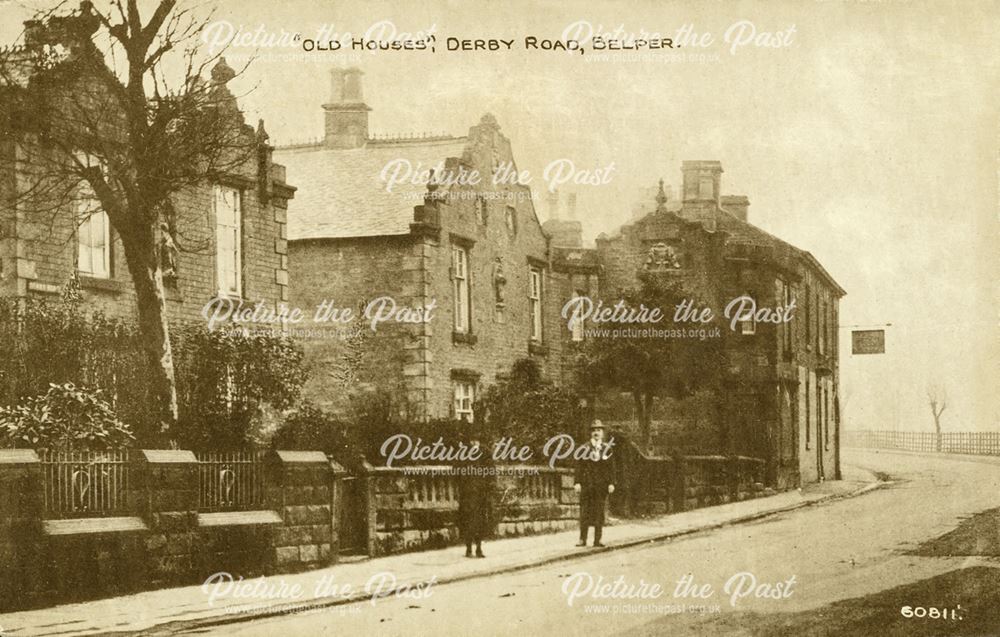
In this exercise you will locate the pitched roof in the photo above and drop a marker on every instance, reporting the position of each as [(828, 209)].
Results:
[(744, 233), (341, 192)]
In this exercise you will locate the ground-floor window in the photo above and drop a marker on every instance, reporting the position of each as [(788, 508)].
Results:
[(808, 414), (465, 396), (826, 418)]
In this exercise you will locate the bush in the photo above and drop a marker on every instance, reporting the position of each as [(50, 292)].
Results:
[(529, 410), (66, 416), (373, 418), (54, 342), (225, 379), (309, 428)]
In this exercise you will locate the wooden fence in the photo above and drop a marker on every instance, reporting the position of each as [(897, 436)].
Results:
[(979, 443)]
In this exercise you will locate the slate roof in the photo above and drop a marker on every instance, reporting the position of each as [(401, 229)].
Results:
[(341, 193), (744, 233)]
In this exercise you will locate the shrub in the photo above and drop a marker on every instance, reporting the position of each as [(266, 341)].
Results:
[(529, 410), (310, 428), (63, 417), (45, 342), (225, 379), (373, 418)]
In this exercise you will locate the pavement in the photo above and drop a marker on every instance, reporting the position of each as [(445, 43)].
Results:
[(405, 576), (856, 553)]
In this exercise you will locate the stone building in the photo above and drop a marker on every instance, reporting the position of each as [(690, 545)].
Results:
[(469, 261), (484, 285), (576, 272), (225, 238), (779, 396)]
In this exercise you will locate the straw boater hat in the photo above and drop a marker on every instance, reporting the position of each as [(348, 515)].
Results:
[(597, 424)]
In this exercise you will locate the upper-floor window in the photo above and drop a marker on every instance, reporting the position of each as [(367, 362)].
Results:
[(94, 245), (94, 232), (822, 327), (229, 240), (786, 300), (808, 317), (460, 293), (511, 219), (535, 302), (817, 313), (577, 329), (481, 211), (748, 326), (832, 327), (465, 396)]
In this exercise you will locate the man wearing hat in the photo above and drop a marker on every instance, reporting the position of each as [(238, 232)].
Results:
[(475, 486), (594, 481)]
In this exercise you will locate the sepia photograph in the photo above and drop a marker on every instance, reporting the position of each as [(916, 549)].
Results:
[(662, 317)]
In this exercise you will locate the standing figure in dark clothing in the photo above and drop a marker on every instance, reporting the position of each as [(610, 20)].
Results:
[(594, 481), (475, 481)]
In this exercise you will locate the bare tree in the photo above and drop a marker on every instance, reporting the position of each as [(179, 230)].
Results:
[(937, 399), (98, 113)]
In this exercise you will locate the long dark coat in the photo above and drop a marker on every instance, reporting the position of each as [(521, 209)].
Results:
[(593, 476), (475, 492)]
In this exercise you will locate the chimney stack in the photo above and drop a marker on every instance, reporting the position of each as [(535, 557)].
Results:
[(571, 206), (736, 205), (564, 232), (552, 202), (700, 190), (701, 180), (346, 113)]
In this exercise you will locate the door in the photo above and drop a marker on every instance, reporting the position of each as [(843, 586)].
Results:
[(352, 517)]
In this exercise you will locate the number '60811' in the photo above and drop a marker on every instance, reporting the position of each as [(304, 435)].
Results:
[(932, 612)]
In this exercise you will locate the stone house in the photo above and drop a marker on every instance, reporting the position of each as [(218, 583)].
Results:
[(576, 273), (373, 222), (491, 282), (225, 238), (779, 396)]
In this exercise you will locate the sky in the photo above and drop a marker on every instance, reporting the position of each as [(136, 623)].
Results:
[(868, 136)]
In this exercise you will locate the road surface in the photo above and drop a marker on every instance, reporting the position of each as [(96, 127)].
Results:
[(798, 561)]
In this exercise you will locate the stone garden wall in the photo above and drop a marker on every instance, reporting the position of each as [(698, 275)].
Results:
[(416, 508), (84, 525), (166, 527)]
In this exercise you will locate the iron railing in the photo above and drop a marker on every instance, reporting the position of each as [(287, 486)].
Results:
[(85, 483), (230, 481), (984, 443)]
